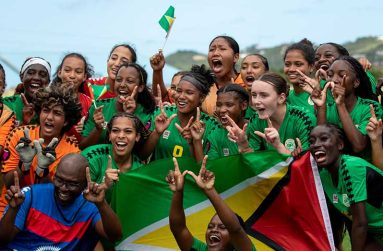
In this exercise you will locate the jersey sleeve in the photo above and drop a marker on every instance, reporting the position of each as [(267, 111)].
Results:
[(198, 245), (255, 142), (305, 125), (11, 156), (354, 176), (6, 128)]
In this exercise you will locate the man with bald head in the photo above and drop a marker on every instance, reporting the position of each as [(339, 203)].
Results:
[(70, 213)]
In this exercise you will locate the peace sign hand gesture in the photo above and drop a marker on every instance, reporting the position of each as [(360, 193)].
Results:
[(129, 103), (162, 121), (45, 156), (14, 196), (94, 192), (25, 150), (186, 131), (28, 110), (176, 179), (306, 83), (205, 179)]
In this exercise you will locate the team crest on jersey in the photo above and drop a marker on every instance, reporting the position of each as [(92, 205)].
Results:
[(48, 248), (226, 152), (346, 200), (290, 144), (166, 134)]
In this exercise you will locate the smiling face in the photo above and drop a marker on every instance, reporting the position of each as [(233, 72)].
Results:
[(118, 56), (265, 99), (340, 69), (294, 61), (123, 136), (221, 57), (217, 236), (325, 56), (52, 121), (72, 72), (325, 146), (35, 77), (127, 78), (69, 180), (252, 67), (187, 97), (229, 104)]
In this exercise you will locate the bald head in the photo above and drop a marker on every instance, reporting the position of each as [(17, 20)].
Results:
[(73, 164)]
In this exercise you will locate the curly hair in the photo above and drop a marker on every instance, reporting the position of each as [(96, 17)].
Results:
[(201, 77), (56, 95)]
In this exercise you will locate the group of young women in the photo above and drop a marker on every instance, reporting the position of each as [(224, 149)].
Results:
[(122, 124)]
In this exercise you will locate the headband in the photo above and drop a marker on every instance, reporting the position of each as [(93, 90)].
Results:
[(194, 82), (36, 60)]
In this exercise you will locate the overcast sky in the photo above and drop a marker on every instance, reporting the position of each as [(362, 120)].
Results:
[(51, 28)]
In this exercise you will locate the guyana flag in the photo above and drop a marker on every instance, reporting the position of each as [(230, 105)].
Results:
[(167, 19), (281, 201)]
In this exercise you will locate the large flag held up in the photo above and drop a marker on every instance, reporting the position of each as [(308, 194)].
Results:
[(280, 200)]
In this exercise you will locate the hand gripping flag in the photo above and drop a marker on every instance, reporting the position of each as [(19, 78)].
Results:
[(167, 20), (280, 200)]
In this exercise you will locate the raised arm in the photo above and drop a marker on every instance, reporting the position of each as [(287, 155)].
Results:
[(157, 62), (357, 140), (177, 221), (374, 129), (205, 181), (15, 198), (109, 226)]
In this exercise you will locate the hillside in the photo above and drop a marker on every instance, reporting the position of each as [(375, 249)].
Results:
[(370, 47)]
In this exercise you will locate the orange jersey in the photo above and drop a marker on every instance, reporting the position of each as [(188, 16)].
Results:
[(12, 159), (208, 106), (7, 123)]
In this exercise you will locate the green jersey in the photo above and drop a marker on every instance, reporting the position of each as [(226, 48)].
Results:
[(360, 116), (358, 181), (97, 156), (297, 123), (301, 100), (171, 143), (108, 111), (249, 113), (200, 246), (15, 103), (218, 144)]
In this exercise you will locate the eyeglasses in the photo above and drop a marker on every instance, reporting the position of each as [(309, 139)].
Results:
[(69, 184)]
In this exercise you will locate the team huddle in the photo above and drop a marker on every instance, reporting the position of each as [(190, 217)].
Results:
[(66, 141)]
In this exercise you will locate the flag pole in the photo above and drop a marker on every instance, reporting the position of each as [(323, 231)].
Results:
[(167, 35)]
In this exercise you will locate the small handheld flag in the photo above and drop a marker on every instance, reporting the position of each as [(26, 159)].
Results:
[(167, 21), (91, 94)]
